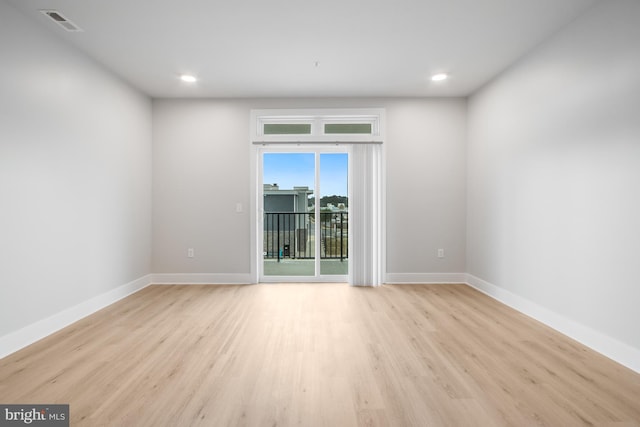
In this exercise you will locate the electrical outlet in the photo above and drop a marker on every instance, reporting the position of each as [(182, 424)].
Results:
[(191, 253), (440, 253)]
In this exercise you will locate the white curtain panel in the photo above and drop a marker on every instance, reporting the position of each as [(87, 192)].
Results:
[(366, 214)]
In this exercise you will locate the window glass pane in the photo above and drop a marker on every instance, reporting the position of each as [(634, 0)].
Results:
[(287, 129), (344, 128)]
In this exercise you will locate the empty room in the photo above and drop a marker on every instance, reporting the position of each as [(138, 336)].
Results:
[(338, 213)]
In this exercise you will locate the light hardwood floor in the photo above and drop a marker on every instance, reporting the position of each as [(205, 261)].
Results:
[(319, 355)]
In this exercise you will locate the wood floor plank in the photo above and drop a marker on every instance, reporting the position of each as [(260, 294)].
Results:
[(319, 355)]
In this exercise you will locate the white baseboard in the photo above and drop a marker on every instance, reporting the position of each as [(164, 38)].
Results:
[(201, 279), (21, 338), (424, 278), (603, 344)]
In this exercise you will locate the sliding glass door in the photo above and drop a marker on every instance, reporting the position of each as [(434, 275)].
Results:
[(304, 230)]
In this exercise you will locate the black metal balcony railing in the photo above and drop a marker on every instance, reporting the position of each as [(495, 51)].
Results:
[(291, 235)]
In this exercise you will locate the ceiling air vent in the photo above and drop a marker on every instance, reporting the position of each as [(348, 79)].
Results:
[(61, 20)]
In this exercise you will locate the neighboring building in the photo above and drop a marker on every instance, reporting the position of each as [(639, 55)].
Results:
[(277, 200), (286, 220), (333, 208)]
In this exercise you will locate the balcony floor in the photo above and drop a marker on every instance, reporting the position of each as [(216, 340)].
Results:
[(304, 267)]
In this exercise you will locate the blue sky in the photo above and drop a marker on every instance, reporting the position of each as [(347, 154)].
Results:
[(297, 169)]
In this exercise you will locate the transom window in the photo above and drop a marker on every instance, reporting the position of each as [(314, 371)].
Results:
[(349, 125), (287, 128)]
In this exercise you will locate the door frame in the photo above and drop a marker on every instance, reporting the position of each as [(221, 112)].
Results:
[(258, 234)]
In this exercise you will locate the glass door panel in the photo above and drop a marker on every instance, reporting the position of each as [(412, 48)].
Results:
[(334, 214), (288, 218)]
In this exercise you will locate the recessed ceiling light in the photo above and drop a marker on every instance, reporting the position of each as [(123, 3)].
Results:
[(188, 78), (439, 77)]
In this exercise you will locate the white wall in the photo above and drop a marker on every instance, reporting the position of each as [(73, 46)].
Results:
[(554, 175), (75, 177), (201, 166), (200, 171), (426, 188)]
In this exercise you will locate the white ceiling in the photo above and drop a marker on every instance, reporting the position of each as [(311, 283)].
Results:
[(260, 48)]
